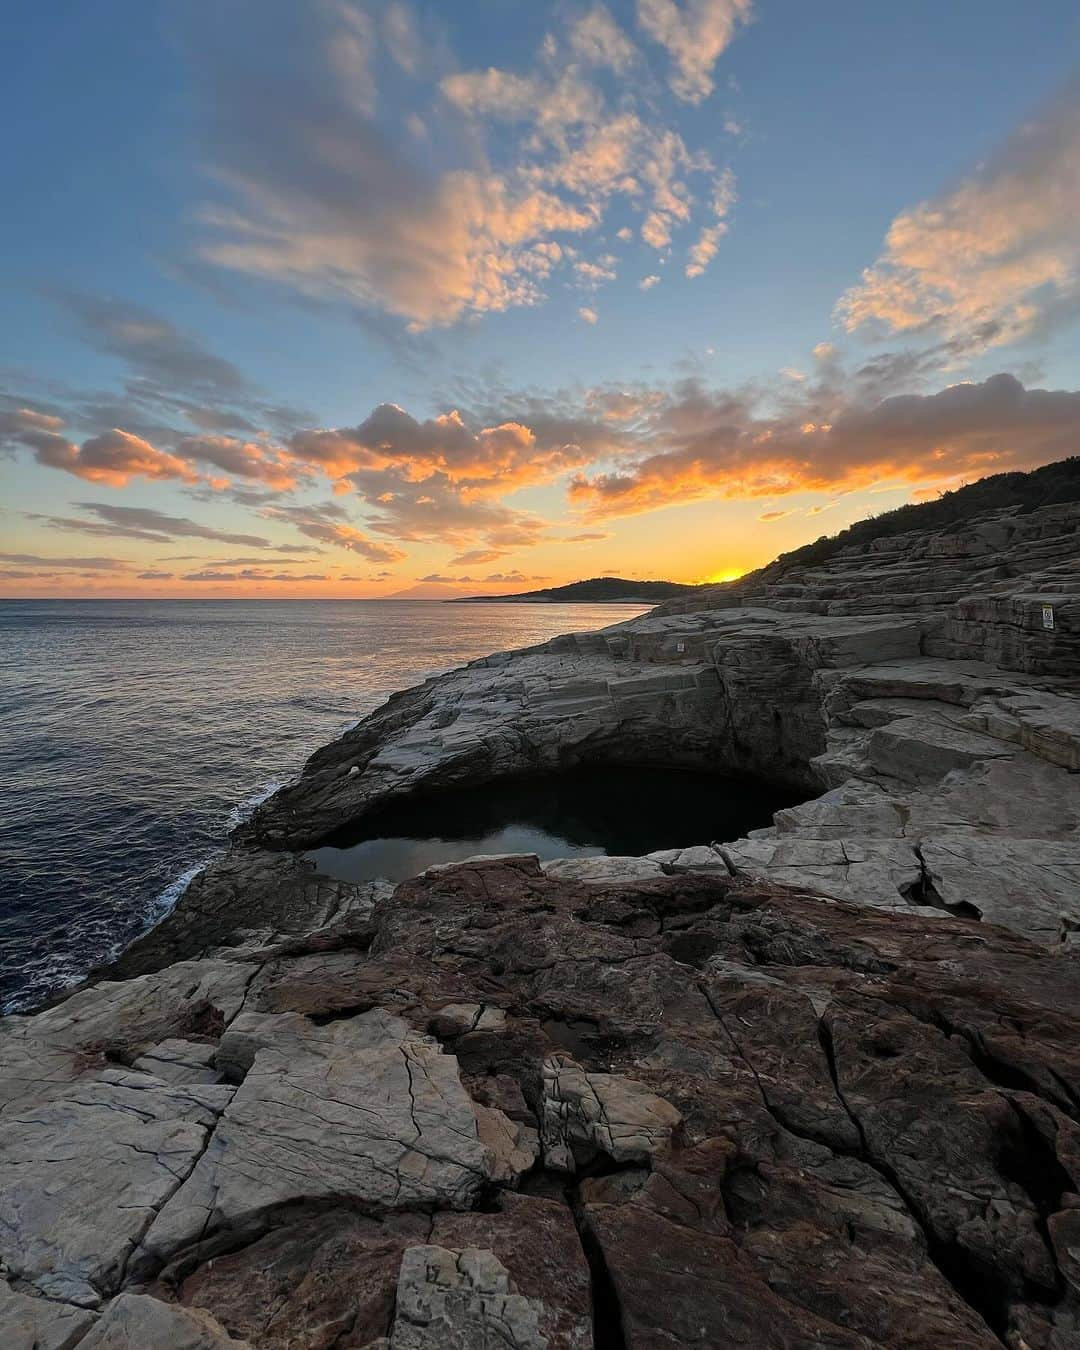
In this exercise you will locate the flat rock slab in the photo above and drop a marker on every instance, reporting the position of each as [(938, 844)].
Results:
[(137, 1322), (460, 1300), (39, 1324), (84, 1174), (361, 1110), (1038, 879)]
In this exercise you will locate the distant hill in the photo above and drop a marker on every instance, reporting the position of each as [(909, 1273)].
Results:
[(614, 590), (1052, 483)]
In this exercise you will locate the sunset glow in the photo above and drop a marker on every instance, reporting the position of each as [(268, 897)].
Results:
[(484, 301)]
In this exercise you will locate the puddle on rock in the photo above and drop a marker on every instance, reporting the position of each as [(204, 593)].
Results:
[(578, 813)]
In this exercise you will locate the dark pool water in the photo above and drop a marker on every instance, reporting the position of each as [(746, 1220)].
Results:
[(586, 812)]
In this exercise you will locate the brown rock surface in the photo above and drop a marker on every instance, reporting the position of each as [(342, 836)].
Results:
[(785, 1121)]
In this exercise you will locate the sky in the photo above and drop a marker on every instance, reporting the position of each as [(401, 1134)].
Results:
[(356, 299)]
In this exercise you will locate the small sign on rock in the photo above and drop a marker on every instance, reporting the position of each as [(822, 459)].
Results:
[(1048, 616)]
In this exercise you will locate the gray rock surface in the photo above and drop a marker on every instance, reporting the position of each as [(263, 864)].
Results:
[(361, 1110), (135, 1322), (461, 1300), (84, 1173), (39, 1324)]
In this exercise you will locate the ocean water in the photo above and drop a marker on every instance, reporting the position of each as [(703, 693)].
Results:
[(134, 735)]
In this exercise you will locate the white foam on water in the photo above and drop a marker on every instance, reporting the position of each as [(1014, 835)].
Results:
[(243, 810), (165, 902)]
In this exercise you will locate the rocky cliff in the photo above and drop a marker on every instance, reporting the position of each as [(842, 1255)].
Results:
[(817, 1087)]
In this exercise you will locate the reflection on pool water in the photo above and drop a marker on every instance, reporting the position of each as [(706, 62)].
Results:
[(579, 813)]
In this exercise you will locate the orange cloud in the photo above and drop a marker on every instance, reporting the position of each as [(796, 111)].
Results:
[(113, 458), (695, 34), (990, 260), (707, 445), (244, 459)]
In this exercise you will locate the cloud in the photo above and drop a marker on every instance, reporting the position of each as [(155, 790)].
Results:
[(252, 574), (695, 34), (599, 41), (993, 258), (708, 242), (435, 478), (83, 564), (825, 437), (253, 562), (592, 275), (647, 283), (564, 101), (327, 194), (150, 344), (16, 421), (325, 524), (315, 193), (113, 458), (155, 576), (244, 459), (587, 536), (769, 516), (475, 556), (141, 522), (589, 315)]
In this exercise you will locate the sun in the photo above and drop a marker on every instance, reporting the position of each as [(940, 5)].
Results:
[(732, 574)]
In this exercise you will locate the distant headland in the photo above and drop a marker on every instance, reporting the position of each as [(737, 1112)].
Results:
[(613, 590)]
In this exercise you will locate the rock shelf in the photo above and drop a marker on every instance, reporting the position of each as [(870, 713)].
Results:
[(818, 1087)]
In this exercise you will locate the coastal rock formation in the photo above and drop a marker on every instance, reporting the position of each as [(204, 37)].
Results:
[(818, 1087), (737, 1113), (907, 687)]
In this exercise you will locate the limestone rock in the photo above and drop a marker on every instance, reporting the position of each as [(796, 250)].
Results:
[(603, 870), (455, 1300), (511, 1148), (815, 1087), (769, 1112), (585, 1113), (84, 1173), (179, 1061), (360, 1110), (136, 1322), (40, 1324)]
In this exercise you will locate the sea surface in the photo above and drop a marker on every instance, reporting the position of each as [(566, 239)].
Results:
[(134, 735)]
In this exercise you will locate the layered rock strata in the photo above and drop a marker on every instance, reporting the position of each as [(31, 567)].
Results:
[(818, 1087)]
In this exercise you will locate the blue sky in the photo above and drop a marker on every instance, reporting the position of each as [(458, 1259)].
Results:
[(411, 297)]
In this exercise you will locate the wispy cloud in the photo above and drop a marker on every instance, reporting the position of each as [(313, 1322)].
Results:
[(319, 191), (695, 34), (92, 564), (993, 258), (328, 525), (141, 522), (150, 345)]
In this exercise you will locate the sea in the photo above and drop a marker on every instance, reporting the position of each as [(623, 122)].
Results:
[(136, 734)]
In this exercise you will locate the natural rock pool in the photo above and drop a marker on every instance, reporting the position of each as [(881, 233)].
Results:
[(581, 812)]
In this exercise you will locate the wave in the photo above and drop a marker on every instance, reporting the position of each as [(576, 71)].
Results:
[(243, 810)]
